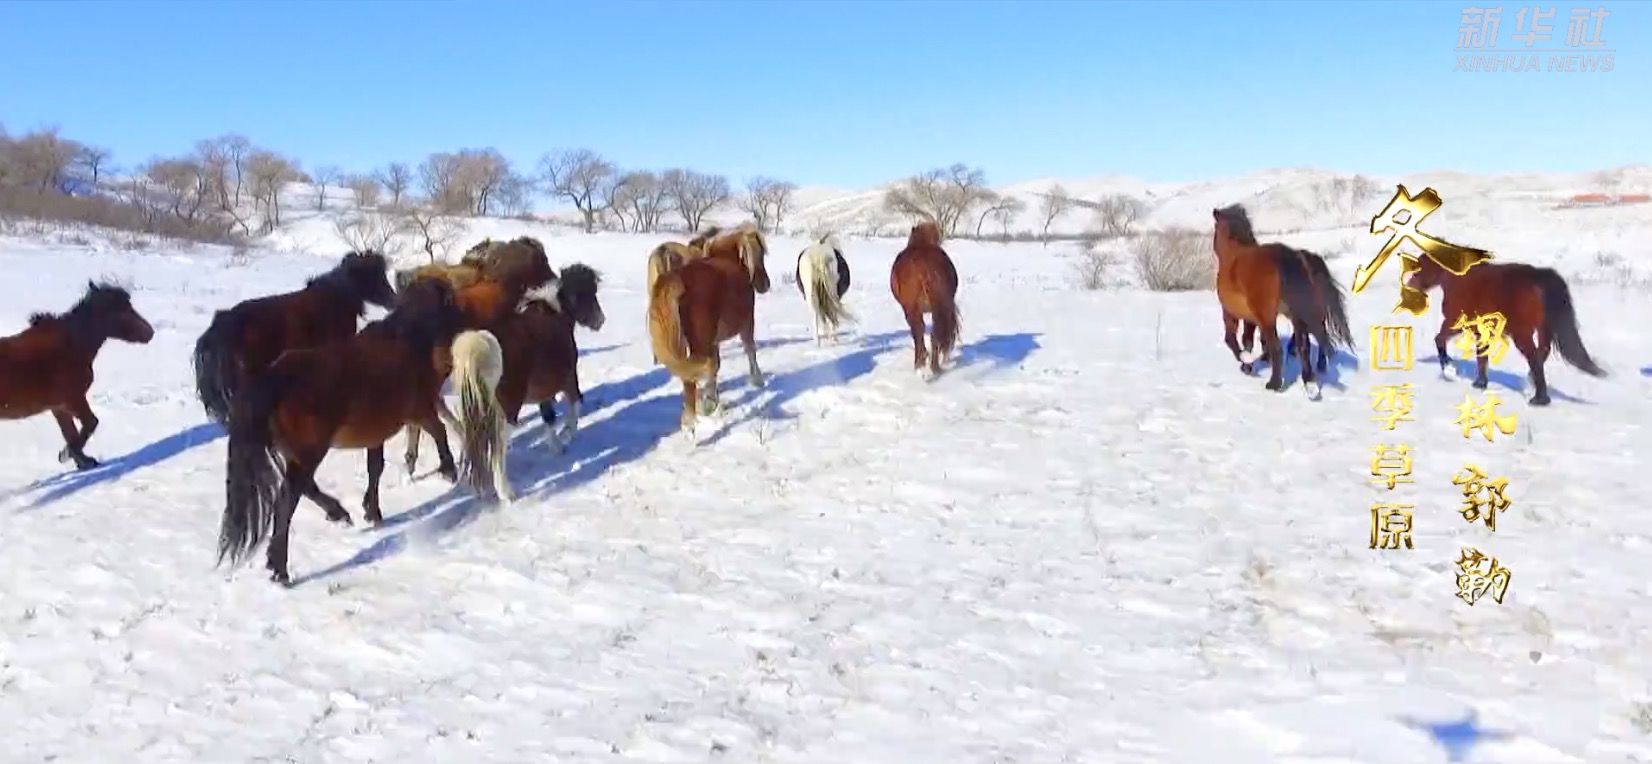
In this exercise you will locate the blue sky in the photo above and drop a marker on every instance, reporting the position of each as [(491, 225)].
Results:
[(829, 92)]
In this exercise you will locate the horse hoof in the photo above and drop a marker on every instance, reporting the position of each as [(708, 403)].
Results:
[(87, 464), (1479, 384), (450, 475), (281, 577), (1247, 368), (1274, 386), (1540, 400), (343, 520)]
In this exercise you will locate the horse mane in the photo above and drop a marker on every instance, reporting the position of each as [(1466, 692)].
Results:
[(1239, 226), (94, 291), (927, 233), (415, 319), (580, 279), (699, 242)]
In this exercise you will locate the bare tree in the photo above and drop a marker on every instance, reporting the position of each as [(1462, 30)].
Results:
[(694, 194), (650, 200), (91, 160), (767, 200), (362, 231), (515, 195), (434, 230), (990, 201), (577, 176), (42, 160), (615, 196), (1118, 213), (944, 196), (440, 178), (364, 189), (323, 176), (186, 183), (1006, 211), (269, 174), (481, 173), (396, 179), (1055, 202), (1174, 260)]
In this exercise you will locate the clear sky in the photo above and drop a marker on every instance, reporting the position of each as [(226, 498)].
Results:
[(830, 92)]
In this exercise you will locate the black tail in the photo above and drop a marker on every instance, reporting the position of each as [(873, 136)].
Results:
[(253, 480), (1561, 320), (217, 366), (1313, 297)]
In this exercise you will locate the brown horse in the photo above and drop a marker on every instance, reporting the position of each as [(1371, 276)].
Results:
[(1259, 282), (484, 303), (706, 301), (1537, 310), (48, 366), (248, 337), (488, 258), (350, 394), (924, 281)]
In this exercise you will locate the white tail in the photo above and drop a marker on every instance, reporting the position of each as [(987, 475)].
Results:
[(817, 275), (478, 365)]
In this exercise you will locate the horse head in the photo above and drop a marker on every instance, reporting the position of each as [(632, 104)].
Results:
[(1427, 275), (368, 274), (577, 294), (1232, 226), (108, 309)]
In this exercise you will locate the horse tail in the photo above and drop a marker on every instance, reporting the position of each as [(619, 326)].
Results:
[(944, 305), (1560, 318), (1297, 288), (827, 304), (253, 480), (478, 365), (665, 330), (1336, 308), (217, 365)]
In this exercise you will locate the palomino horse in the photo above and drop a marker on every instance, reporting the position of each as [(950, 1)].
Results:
[(1537, 312), (355, 393), (925, 281), (823, 279), (706, 301), (248, 337), (48, 366), (1257, 282), (528, 357)]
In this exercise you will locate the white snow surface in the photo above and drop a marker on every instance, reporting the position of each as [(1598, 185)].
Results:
[(1092, 540)]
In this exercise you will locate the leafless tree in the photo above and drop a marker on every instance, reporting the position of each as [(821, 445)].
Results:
[(515, 195), (577, 176), (945, 196), (91, 160), (439, 177), (481, 173), (1118, 213), (1055, 201), (768, 200), (1006, 210), (363, 230), (396, 179), (42, 161), (364, 189), (650, 200), (434, 230), (615, 196), (694, 194), (1174, 260), (269, 174), (187, 185), (320, 179)]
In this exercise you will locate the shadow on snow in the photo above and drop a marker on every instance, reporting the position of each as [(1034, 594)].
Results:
[(67, 484)]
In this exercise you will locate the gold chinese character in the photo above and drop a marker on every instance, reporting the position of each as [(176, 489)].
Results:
[(1483, 417), (1391, 348), (1477, 575), (1482, 335), (1482, 498), (1391, 465), (1391, 526), (1413, 209), (1392, 404)]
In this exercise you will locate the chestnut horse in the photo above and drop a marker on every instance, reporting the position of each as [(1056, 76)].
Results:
[(924, 281), (1537, 310), (1259, 282), (486, 258), (702, 303), (823, 279), (350, 394), (248, 337), (48, 366), (530, 356)]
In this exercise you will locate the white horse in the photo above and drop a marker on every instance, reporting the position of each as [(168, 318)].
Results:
[(823, 278), (478, 365)]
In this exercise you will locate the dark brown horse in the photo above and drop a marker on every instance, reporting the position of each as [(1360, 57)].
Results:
[(488, 258), (1259, 282), (48, 366), (248, 337), (1537, 310), (350, 394), (924, 281), (702, 303), (541, 356)]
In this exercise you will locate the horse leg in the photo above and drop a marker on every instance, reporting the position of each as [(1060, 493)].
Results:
[(1481, 362), (708, 389), (1270, 344), (298, 475), (748, 338), (66, 424), (1249, 339), (1300, 331), (433, 425), (370, 500), (334, 509), (412, 456), (1440, 340), (915, 323), (691, 399), (1535, 356), (1230, 325)]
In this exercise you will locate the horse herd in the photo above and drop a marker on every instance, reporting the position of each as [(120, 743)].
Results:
[(290, 378)]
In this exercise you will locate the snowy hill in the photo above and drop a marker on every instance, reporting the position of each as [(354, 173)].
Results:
[(1093, 540)]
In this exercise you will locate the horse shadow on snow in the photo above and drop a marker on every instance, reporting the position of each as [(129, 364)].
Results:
[(67, 484)]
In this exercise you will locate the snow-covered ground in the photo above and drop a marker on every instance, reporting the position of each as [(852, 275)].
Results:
[(1093, 540)]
